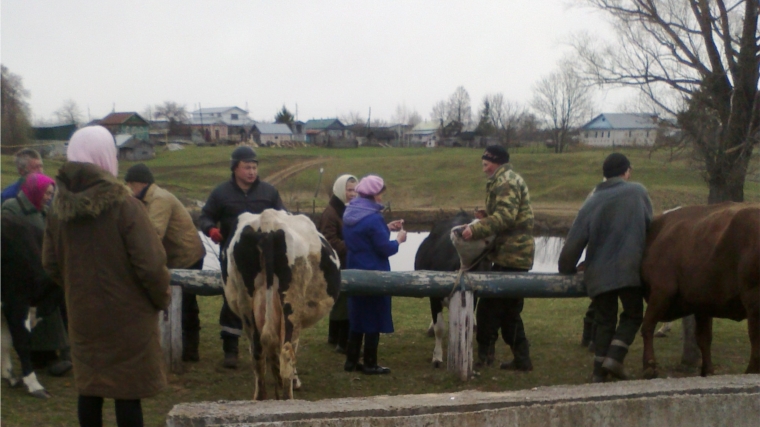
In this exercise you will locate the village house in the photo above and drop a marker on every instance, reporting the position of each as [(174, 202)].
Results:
[(267, 134), (620, 129), (126, 123), (425, 134), (132, 148), (222, 123), (327, 133)]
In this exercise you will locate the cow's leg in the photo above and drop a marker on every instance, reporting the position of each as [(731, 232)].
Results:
[(753, 327), (296, 380), (286, 372), (657, 307), (7, 363), (664, 329), (259, 366), (439, 329), (22, 343), (436, 307), (704, 340)]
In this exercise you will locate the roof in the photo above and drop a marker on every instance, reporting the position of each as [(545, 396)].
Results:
[(622, 121), (323, 124), (217, 110), (424, 128), (119, 118), (122, 139), (273, 128)]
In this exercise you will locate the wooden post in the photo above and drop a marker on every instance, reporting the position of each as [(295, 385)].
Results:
[(459, 360), (170, 324)]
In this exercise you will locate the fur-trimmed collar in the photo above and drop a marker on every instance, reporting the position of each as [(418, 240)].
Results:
[(86, 190)]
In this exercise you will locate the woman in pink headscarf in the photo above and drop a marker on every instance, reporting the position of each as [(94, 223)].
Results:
[(102, 248), (31, 202)]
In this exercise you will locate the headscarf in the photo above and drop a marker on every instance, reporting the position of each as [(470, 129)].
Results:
[(94, 144), (339, 188), (34, 187)]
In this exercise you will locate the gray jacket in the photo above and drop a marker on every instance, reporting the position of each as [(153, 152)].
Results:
[(613, 223)]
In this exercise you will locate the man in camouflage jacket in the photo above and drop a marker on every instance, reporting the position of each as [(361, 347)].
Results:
[(509, 217)]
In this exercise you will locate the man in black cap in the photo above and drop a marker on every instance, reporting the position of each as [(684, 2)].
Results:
[(508, 217), (181, 242), (244, 192), (612, 226)]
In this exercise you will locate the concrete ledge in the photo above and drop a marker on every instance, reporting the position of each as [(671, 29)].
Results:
[(693, 402)]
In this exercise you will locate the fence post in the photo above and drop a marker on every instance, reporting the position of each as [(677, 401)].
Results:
[(170, 325), (461, 321)]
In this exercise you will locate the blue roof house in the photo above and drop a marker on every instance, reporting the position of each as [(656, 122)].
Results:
[(620, 129)]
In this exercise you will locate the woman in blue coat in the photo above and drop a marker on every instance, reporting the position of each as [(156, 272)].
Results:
[(368, 245)]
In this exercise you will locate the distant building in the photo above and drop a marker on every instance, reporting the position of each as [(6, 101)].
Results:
[(222, 123), (54, 132), (271, 133), (133, 149), (425, 134), (126, 123), (620, 129), (327, 132)]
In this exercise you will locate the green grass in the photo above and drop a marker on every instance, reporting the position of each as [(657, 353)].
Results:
[(553, 326), (416, 178)]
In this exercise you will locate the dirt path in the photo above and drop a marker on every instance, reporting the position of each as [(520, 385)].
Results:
[(280, 176)]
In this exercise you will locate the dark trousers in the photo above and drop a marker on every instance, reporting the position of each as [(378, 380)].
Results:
[(232, 326), (370, 340), (493, 314), (612, 339), (90, 412), (190, 319)]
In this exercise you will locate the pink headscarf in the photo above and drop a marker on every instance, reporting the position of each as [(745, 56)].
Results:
[(34, 187), (94, 144)]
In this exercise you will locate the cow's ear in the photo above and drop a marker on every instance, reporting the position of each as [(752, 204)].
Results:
[(248, 257)]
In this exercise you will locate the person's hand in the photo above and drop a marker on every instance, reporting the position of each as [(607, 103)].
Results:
[(215, 235), (401, 236), (480, 213), (396, 225), (467, 233)]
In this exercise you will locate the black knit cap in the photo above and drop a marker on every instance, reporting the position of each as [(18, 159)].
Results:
[(243, 153), (496, 154), (139, 173), (615, 164)]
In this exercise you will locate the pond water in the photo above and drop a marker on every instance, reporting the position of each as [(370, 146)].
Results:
[(545, 260)]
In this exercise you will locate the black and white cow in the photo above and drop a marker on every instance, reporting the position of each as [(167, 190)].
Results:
[(283, 276), (437, 253), (24, 285)]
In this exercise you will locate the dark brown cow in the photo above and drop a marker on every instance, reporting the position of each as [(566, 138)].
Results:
[(703, 260)]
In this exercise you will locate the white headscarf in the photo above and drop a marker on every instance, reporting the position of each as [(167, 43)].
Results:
[(94, 144), (339, 188)]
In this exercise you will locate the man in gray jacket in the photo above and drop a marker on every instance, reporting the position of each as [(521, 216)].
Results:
[(612, 226)]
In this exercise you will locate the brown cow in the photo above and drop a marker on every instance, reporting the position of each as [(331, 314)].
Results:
[(703, 260)]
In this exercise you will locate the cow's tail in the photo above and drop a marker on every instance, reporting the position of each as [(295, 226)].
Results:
[(269, 334)]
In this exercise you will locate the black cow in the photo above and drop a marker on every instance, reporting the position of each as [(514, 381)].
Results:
[(24, 285), (437, 253)]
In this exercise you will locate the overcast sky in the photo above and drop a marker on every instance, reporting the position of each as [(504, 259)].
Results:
[(327, 57)]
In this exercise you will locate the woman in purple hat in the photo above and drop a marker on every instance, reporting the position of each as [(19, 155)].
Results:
[(368, 244)]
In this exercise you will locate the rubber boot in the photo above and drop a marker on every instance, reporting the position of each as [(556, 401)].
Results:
[(352, 356), (343, 328), (521, 361), (332, 332), (370, 363), (62, 365), (588, 330), (230, 347), (190, 342), (485, 356), (599, 375)]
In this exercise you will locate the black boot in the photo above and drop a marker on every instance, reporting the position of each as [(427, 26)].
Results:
[(343, 328), (332, 332), (352, 356), (370, 363), (588, 331), (190, 341), (230, 347), (62, 365), (486, 356), (521, 362)]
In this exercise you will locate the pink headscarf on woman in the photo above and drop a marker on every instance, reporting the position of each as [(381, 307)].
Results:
[(94, 144), (34, 187)]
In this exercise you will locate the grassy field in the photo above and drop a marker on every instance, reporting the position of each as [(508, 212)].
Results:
[(553, 327), (417, 179)]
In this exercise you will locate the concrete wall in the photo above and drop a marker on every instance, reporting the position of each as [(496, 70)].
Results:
[(693, 402)]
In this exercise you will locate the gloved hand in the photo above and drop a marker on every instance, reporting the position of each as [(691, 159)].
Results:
[(215, 235)]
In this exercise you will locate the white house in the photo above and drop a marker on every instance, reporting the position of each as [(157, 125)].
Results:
[(425, 134), (271, 133), (620, 129), (218, 123)]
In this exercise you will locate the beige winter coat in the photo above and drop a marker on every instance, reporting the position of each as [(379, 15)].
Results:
[(102, 248)]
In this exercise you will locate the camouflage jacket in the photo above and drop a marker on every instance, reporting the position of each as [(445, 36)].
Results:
[(510, 218)]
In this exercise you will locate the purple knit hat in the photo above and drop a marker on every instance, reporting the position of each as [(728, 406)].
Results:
[(370, 185)]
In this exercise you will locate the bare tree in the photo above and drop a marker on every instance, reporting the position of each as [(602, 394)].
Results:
[(15, 127), (506, 117), (352, 118), (564, 101), (406, 116), (459, 108), (171, 111), (440, 112), (698, 60), (69, 113)]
